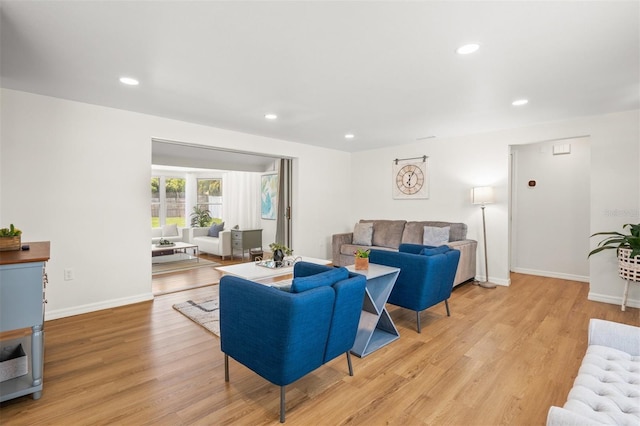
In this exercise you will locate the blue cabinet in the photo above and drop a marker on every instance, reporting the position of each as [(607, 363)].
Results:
[(22, 285)]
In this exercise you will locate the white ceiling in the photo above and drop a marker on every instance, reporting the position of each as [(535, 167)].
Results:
[(385, 71)]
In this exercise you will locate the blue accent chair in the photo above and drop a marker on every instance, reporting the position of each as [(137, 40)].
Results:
[(282, 336), (426, 275)]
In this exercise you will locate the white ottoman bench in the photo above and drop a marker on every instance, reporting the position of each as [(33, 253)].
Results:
[(607, 388)]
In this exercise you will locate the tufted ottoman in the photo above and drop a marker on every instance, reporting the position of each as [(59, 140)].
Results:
[(607, 389)]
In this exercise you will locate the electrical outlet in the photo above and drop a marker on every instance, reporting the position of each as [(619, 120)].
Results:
[(68, 274)]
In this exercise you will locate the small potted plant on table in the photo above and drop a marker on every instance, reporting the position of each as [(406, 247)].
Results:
[(362, 259), (279, 251)]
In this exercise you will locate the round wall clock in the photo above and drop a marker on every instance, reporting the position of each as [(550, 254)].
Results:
[(410, 180)]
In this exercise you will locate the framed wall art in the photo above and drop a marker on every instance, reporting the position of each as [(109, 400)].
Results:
[(269, 196)]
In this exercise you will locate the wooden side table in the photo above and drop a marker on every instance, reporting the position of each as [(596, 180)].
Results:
[(376, 329)]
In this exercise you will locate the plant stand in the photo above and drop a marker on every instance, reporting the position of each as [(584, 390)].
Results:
[(629, 270)]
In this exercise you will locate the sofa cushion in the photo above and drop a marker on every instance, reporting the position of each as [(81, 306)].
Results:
[(215, 229), (363, 234), (414, 231), (430, 251), (435, 235), (387, 233), (309, 282), (170, 230)]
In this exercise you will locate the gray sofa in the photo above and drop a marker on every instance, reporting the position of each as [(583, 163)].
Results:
[(389, 234)]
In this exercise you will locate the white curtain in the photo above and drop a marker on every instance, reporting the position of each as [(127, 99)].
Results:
[(241, 200)]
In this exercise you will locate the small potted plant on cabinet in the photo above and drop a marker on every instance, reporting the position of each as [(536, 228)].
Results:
[(362, 259), (10, 238), (628, 251)]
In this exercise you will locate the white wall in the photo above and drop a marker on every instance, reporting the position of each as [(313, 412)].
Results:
[(62, 161), (550, 221), (458, 164)]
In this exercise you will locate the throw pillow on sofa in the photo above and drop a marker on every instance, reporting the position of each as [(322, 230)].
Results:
[(363, 234), (170, 230), (215, 229), (435, 236)]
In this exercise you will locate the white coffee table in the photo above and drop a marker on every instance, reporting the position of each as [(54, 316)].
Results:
[(253, 271), (173, 253)]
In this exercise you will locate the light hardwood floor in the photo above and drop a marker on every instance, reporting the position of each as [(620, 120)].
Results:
[(503, 357)]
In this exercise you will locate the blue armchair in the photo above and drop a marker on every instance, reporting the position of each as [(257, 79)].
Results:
[(282, 335), (426, 275)]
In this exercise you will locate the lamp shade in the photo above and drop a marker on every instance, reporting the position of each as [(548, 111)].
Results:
[(482, 195)]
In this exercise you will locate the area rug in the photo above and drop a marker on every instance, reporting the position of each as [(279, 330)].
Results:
[(182, 265), (205, 313)]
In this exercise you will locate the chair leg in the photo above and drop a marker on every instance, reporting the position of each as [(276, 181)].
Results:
[(282, 413), (226, 367), (446, 303), (418, 321), (349, 363)]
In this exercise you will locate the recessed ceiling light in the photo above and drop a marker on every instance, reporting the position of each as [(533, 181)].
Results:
[(129, 81), (520, 102), (349, 136), (270, 116), (467, 48)]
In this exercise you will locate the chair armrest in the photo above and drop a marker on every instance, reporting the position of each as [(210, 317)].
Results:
[(467, 265), (337, 240), (225, 242), (279, 335), (615, 335)]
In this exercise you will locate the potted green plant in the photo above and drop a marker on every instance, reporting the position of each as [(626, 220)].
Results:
[(279, 251), (10, 238), (618, 240), (362, 259), (201, 217), (628, 251)]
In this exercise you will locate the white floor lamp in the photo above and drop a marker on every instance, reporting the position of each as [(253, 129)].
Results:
[(483, 195)]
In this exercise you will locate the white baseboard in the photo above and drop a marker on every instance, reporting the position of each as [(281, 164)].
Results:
[(559, 275), (92, 307), (614, 300)]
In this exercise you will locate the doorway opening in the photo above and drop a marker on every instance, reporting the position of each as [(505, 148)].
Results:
[(549, 206), (237, 203)]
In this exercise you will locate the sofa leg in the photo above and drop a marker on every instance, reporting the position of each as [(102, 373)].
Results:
[(349, 363), (282, 414), (418, 321), (226, 367), (446, 303)]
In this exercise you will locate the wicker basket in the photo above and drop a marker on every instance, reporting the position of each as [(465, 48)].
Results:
[(9, 243), (629, 266)]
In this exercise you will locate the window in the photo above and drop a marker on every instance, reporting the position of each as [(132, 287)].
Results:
[(167, 201), (210, 197), (174, 190), (155, 202)]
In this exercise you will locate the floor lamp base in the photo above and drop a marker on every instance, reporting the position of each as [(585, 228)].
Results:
[(485, 284)]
